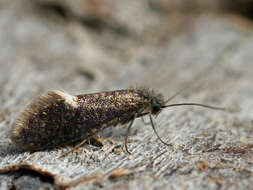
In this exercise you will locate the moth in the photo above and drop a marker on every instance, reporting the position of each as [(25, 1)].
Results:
[(58, 118)]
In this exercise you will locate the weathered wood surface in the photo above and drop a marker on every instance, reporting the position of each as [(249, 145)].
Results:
[(83, 47)]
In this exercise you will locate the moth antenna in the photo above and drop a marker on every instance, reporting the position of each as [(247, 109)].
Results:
[(153, 126), (195, 104), (175, 95)]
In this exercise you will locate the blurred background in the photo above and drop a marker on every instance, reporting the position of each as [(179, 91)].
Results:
[(90, 45), (84, 46)]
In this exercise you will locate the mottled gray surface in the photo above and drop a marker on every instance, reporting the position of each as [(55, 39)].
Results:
[(117, 44)]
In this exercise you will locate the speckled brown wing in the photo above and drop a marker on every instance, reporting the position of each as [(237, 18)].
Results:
[(57, 118)]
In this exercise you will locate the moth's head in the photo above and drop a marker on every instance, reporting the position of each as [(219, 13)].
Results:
[(154, 101), (155, 106)]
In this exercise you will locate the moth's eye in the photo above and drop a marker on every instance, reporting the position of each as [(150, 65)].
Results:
[(156, 107)]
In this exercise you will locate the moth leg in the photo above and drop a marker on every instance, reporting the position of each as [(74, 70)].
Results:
[(96, 141), (145, 122), (110, 140), (127, 134), (154, 129), (73, 148)]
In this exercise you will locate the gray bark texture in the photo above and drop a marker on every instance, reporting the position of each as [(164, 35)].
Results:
[(84, 46)]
